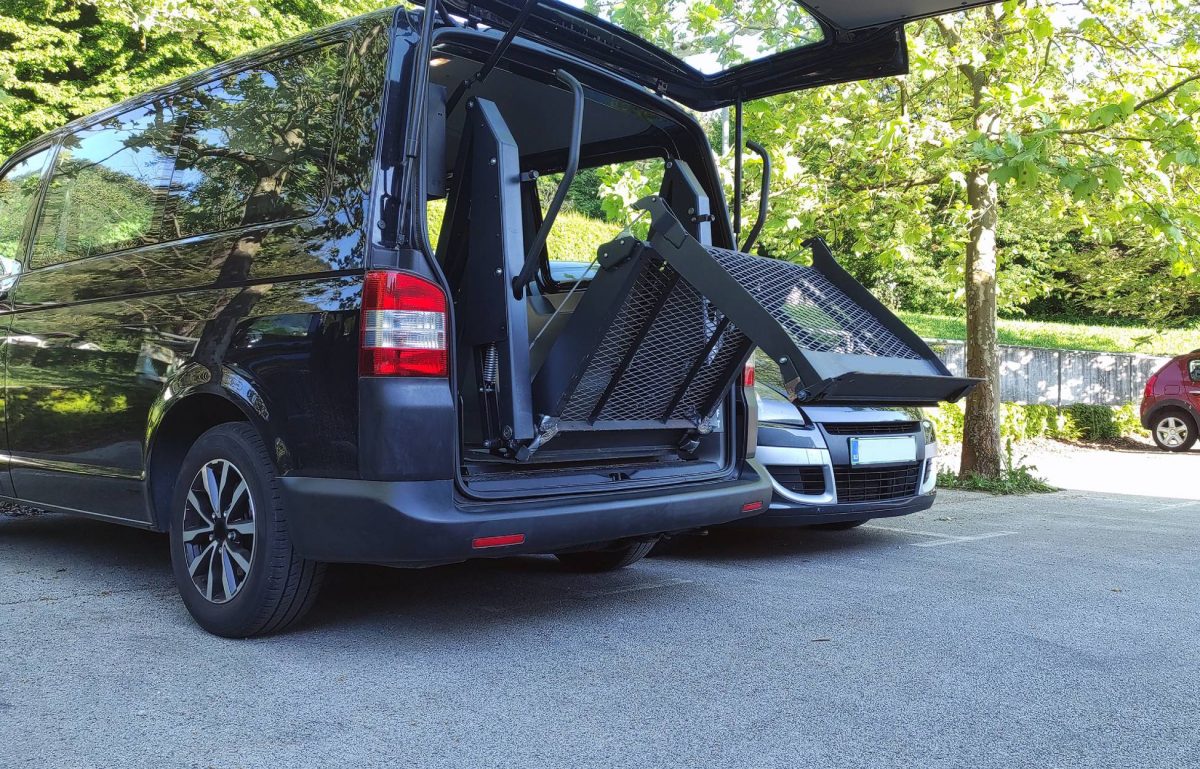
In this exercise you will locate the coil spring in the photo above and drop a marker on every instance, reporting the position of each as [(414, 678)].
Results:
[(491, 364)]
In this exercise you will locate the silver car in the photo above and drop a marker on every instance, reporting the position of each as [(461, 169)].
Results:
[(841, 466)]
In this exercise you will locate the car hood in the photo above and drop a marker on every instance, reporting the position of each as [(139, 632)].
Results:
[(775, 409)]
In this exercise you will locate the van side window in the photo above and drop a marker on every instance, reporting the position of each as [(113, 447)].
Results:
[(257, 144), (18, 194), (108, 187), (1194, 369)]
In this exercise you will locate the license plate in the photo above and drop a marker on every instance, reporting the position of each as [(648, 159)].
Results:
[(878, 451)]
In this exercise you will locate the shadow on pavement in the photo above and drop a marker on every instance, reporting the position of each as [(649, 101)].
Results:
[(465, 597), (741, 544)]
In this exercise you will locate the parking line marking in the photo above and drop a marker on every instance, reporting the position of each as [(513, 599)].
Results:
[(973, 538), (1175, 506), (909, 531), (943, 539), (636, 588)]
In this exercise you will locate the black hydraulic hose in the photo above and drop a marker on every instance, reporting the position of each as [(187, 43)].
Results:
[(764, 196), (560, 195)]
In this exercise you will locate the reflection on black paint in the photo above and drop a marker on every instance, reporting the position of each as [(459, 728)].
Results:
[(97, 340)]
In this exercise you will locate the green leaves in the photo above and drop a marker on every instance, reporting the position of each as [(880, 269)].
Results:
[(61, 59)]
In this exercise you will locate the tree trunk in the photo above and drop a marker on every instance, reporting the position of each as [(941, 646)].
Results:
[(981, 426)]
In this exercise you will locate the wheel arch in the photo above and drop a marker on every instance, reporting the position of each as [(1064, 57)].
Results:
[(1171, 405), (192, 403)]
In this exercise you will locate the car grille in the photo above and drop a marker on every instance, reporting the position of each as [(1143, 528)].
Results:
[(871, 428), (799, 479), (862, 484)]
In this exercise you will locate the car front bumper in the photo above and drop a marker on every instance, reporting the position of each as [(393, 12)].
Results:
[(789, 508)]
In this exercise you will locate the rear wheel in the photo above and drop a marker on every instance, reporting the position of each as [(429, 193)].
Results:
[(841, 525), (607, 559), (230, 551), (1174, 430)]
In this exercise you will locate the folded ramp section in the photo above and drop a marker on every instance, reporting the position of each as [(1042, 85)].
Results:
[(643, 349), (834, 342), (667, 324)]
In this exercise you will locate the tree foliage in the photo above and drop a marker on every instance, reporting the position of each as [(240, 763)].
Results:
[(61, 59)]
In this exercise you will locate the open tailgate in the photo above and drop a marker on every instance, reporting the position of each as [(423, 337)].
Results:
[(809, 43)]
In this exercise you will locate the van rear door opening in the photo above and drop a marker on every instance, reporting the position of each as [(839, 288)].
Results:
[(626, 377)]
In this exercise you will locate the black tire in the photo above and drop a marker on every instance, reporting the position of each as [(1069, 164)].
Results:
[(1173, 430), (279, 587), (841, 525), (607, 559)]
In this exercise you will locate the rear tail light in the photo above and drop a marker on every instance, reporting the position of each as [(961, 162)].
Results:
[(403, 326), (1149, 391), (748, 374)]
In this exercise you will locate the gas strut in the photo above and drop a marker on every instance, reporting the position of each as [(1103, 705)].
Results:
[(764, 196), (494, 59), (539, 241)]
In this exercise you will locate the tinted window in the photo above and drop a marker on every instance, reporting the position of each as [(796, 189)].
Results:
[(1194, 369), (18, 193), (256, 145), (108, 187)]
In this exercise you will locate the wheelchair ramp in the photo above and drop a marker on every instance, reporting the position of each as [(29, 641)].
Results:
[(666, 326)]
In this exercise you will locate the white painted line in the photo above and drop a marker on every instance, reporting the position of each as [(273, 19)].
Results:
[(943, 539), (957, 540), (908, 531), (1098, 516), (1175, 506), (636, 588)]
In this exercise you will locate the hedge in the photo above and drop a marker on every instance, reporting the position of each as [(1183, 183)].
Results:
[(1025, 421)]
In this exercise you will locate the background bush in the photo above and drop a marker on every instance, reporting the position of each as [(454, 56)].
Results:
[(1020, 422)]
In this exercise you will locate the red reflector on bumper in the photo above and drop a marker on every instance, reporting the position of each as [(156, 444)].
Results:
[(750, 507), (479, 543)]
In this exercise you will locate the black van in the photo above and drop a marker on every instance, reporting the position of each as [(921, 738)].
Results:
[(225, 316)]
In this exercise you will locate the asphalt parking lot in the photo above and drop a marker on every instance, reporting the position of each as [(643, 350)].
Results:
[(1043, 631)]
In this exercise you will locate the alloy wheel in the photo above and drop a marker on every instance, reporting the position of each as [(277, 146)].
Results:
[(218, 531), (1172, 431)]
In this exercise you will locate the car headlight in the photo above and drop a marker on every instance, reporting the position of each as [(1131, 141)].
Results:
[(930, 433)]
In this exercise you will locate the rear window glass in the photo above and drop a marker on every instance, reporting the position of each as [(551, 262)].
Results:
[(712, 36), (108, 186), (256, 145), (1194, 369)]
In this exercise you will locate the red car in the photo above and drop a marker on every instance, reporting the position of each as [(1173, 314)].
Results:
[(1171, 403)]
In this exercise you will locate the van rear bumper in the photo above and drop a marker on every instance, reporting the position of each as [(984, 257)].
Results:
[(424, 523)]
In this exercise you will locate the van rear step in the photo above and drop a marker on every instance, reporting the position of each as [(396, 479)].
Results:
[(667, 324)]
